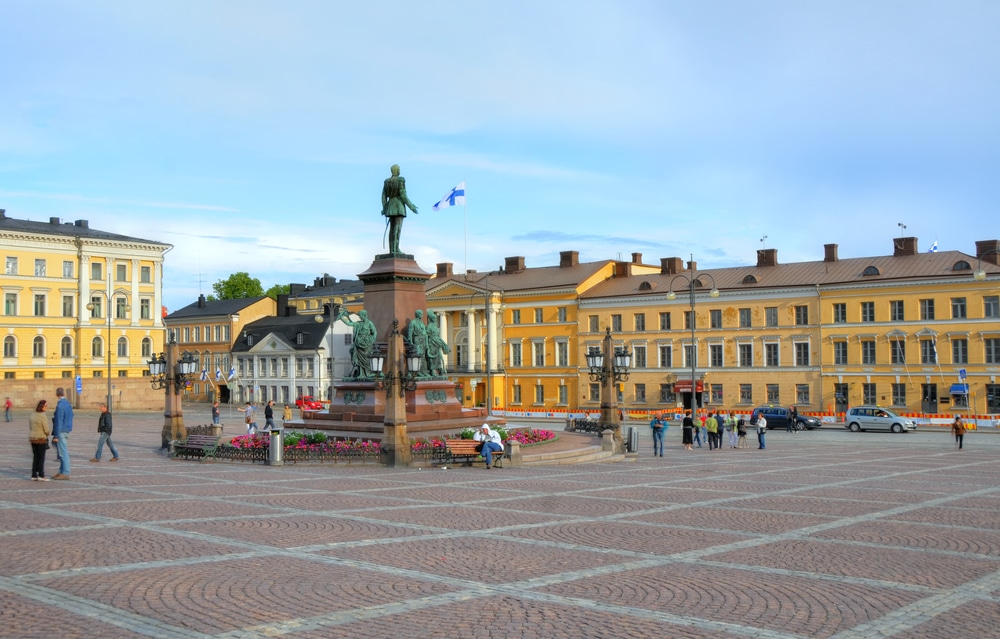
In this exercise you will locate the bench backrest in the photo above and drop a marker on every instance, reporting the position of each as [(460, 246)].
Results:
[(201, 440), (461, 445)]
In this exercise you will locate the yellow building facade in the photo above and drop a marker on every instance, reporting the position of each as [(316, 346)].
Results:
[(78, 303)]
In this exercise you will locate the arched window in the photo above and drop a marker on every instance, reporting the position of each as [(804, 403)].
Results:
[(38, 346), (97, 347), (871, 270), (961, 265), (66, 347), (9, 346), (122, 346), (147, 347), (645, 286), (750, 279)]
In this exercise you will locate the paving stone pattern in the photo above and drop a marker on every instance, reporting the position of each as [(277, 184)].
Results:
[(825, 534)]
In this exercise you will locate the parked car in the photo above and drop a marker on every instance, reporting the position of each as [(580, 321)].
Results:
[(778, 416), (307, 402), (876, 418)]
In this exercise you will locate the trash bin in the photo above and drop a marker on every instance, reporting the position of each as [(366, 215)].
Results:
[(276, 447), (633, 439)]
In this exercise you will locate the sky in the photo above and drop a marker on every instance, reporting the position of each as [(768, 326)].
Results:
[(254, 135)]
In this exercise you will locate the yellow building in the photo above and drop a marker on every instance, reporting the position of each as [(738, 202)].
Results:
[(79, 303)]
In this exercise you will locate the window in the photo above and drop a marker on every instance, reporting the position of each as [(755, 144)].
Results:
[(840, 313), (868, 394), (991, 346), (715, 318), (538, 316), (616, 323), (745, 352), (960, 351), (9, 346), (958, 308), (664, 321), (715, 395), (562, 353), (67, 306), (991, 306), (802, 393), (98, 374), (563, 394), (515, 316), (515, 354), (840, 353), (122, 347), (11, 268), (67, 269), (10, 304), (802, 353), (666, 355), (746, 393), (897, 350), (868, 353), (715, 355), (801, 315), (896, 312), (667, 394), (95, 306), (96, 271), (517, 394), (147, 347), (771, 354), (144, 309), (539, 394), (561, 313), (97, 347), (595, 392), (121, 272), (144, 275), (867, 311), (538, 353), (38, 346), (66, 347), (40, 268), (638, 357), (640, 321), (899, 394), (773, 397), (770, 316), (690, 356), (688, 320), (121, 306), (745, 318), (640, 393), (926, 309), (928, 351), (39, 305), (593, 323), (187, 336)]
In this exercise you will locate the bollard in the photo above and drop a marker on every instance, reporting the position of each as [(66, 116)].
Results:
[(276, 447)]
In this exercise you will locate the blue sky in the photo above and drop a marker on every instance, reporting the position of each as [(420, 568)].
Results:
[(255, 135)]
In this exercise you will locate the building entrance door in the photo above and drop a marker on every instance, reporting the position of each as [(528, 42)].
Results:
[(840, 398), (929, 403)]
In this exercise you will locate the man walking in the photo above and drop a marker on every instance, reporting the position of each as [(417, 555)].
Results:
[(62, 426), (8, 406), (269, 415), (104, 428), (658, 429)]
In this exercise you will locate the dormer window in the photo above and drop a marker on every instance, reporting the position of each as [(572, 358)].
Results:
[(961, 265), (871, 270), (300, 339), (249, 340), (645, 286), (750, 279)]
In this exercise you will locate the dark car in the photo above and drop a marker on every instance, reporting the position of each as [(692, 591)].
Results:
[(778, 416)]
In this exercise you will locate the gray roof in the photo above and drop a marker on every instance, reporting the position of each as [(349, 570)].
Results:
[(212, 308), (79, 228), (288, 326)]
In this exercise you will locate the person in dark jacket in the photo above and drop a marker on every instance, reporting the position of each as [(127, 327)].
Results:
[(62, 426), (104, 429)]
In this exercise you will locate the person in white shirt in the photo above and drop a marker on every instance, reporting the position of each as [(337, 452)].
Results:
[(491, 443), (761, 430)]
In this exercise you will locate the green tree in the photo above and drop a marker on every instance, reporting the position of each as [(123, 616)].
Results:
[(237, 286), (276, 290)]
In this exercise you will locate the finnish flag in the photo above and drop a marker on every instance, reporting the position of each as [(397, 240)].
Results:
[(218, 374), (232, 372), (933, 248), (204, 374), (454, 198)]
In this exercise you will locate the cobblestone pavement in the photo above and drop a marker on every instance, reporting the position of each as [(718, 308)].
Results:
[(825, 534)]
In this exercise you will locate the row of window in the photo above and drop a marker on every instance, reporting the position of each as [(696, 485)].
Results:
[(206, 333), (928, 351), (666, 394), (275, 367), (66, 347), (96, 270), (897, 310), (263, 394), (515, 315), (65, 374), (96, 306)]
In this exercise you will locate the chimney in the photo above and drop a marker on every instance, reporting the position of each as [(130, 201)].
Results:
[(3, 214), (568, 258), (692, 265), (637, 258), (202, 301), (444, 269), (53, 220), (83, 224), (282, 303), (904, 246), (988, 246), (671, 265), (513, 264), (767, 257), (829, 252)]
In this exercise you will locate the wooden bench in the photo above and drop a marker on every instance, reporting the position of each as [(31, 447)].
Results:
[(455, 449), (197, 446)]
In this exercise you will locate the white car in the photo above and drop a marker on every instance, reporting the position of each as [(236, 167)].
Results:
[(876, 418)]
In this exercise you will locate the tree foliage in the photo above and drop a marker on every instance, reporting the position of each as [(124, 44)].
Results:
[(276, 290), (237, 286)]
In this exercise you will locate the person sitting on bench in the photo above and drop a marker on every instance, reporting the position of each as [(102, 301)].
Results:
[(491, 443)]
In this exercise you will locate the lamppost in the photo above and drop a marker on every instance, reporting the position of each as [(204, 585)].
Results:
[(126, 308), (979, 274), (609, 366), (400, 375), (692, 281), (169, 372)]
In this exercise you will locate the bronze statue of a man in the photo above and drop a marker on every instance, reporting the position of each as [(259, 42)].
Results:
[(394, 205)]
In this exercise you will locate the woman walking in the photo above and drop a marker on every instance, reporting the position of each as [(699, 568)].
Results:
[(687, 431), (958, 427), (38, 435)]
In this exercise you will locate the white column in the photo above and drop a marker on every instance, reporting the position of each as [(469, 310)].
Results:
[(443, 328), (491, 336), (474, 339)]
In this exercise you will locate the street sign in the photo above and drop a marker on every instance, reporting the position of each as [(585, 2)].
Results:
[(961, 374), (79, 384)]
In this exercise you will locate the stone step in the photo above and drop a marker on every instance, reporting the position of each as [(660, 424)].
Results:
[(588, 454)]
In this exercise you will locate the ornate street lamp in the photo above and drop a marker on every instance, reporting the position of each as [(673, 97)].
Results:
[(167, 370), (979, 274), (693, 281), (609, 365)]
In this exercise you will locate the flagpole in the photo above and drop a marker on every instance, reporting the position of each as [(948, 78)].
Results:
[(465, 209)]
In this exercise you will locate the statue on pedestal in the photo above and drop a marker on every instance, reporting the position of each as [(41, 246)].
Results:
[(362, 343), (416, 337), (394, 205), (437, 348)]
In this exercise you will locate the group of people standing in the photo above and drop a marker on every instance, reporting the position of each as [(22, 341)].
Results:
[(250, 416), (42, 435), (713, 428)]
